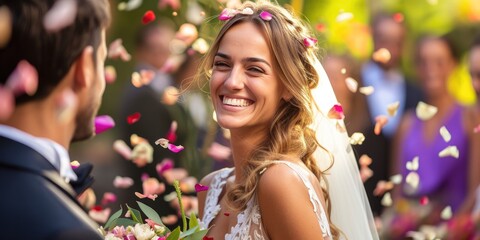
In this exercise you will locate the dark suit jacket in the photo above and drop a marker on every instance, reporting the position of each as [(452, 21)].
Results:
[(379, 149), (36, 202)]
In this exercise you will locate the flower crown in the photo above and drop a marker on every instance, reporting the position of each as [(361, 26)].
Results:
[(228, 13)]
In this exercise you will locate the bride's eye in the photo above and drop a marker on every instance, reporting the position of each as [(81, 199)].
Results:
[(220, 65), (256, 69)]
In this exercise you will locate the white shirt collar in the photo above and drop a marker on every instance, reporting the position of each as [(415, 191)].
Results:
[(56, 154)]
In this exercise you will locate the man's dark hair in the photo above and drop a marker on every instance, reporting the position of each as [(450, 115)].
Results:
[(51, 53)]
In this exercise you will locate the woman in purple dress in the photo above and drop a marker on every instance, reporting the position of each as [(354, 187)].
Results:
[(438, 172)]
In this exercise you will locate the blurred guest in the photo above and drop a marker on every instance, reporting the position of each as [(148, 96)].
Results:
[(390, 85), (443, 181), (52, 75), (159, 114)]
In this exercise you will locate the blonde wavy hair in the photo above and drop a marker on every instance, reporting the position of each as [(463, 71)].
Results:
[(289, 133)]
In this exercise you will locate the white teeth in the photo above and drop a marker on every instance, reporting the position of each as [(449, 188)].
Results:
[(236, 102)]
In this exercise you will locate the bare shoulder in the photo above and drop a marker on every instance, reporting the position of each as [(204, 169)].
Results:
[(285, 205), (202, 196)]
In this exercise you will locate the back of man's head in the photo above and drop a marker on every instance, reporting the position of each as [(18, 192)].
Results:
[(51, 53)]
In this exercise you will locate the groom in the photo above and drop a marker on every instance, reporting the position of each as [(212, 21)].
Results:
[(64, 54)]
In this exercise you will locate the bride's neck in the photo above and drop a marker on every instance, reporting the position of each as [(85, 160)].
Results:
[(243, 143)]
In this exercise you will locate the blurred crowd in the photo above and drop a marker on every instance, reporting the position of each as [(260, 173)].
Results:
[(419, 152)]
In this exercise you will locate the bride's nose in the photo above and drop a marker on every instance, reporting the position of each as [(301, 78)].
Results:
[(236, 79)]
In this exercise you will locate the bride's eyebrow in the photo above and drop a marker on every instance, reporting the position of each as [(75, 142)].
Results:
[(250, 59)]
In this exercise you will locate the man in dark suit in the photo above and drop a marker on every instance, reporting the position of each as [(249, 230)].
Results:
[(65, 55), (390, 85)]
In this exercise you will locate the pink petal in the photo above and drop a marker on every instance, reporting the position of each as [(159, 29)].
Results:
[(24, 79), (174, 4), (227, 14), (151, 223), (152, 186), (200, 188), (103, 123), (380, 122), (117, 50), (170, 95), (165, 165), (336, 112), (309, 42), (424, 200), (122, 182), (170, 219), (477, 129), (142, 196), (219, 152), (171, 135), (61, 15), (173, 174), (108, 197), (266, 16), (123, 149), (146, 76), (131, 119), (144, 176), (175, 149), (7, 103), (110, 74)]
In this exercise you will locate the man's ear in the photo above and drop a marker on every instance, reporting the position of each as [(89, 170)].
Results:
[(84, 68)]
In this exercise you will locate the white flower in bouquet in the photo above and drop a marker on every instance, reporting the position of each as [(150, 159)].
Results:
[(111, 236), (143, 232)]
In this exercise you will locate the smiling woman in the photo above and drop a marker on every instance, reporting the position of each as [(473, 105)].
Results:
[(262, 75)]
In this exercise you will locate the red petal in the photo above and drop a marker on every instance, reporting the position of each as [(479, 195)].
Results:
[(148, 17), (424, 200), (133, 118)]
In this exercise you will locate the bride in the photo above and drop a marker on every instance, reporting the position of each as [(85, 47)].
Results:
[(270, 91)]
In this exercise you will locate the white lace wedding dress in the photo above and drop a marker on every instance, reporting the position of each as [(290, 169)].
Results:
[(249, 222)]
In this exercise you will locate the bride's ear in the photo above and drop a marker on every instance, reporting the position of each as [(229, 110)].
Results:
[(286, 95)]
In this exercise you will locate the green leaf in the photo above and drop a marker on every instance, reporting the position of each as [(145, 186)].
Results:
[(188, 232), (113, 217), (193, 222), (197, 235), (136, 215), (175, 235), (125, 222), (150, 213)]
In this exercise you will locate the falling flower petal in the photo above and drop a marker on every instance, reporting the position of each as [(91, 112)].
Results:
[(144, 176), (382, 187), (336, 112), (165, 165), (450, 151), (170, 95), (108, 197), (146, 76), (200, 188), (130, 5), (207, 238), (61, 15), (200, 45), (5, 25), (476, 129), (174, 4), (171, 135), (396, 179), (100, 216), (365, 160), (122, 182), (247, 11), (24, 79), (412, 179), (131, 119), (424, 200), (226, 14), (162, 142), (309, 42), (266, 16), (110, 74), (117, 50), (7, 103), (226, 214), (173, 174), (74, 164), (187, 33), (380, 122), (135, 139), (413, 165), (123, 149), (142, 154), (398, 17), (382, 55), (365, 173), (148, 17), (103, 123), (219, 152), (170, 219), (357, 138), (425, 111), (321, 27), (136, 79), (445, 134), (188, 184), (195, 13), (152, 186), (387, 200), (352, 84), (367, 90), (174, 148), (344, 16), (141, 196), (392, 108), (446, 213)]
